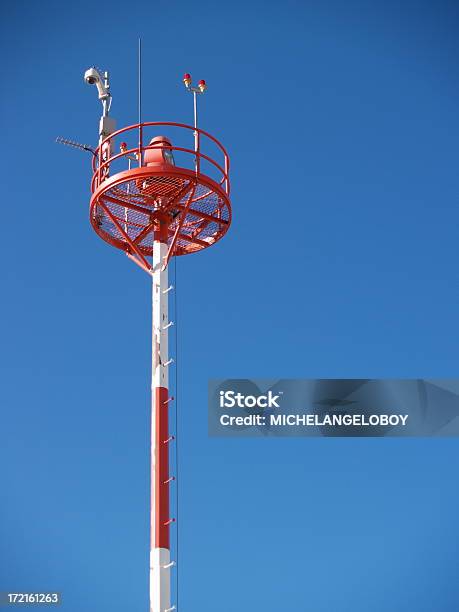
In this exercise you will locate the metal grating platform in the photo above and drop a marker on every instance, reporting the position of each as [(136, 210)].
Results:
[(128, 207)]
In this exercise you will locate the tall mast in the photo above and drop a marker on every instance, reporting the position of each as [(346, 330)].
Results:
[(160, 561), (157, 209)]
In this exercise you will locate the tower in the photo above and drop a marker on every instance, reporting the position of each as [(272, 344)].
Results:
[(154, 198)]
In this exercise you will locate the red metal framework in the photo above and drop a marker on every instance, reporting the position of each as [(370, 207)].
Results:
[(132, 196)]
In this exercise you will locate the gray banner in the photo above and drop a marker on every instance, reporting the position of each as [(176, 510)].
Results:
[(334, 407)]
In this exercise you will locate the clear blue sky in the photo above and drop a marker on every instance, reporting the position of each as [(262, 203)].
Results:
[(341, 119)]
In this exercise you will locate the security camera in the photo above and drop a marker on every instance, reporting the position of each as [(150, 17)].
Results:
[(93, 77)]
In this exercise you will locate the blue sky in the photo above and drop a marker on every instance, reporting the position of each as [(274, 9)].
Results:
[(341, 122)]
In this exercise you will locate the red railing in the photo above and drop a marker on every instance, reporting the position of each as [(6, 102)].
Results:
[(101, 167)]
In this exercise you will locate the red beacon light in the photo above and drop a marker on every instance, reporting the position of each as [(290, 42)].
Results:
[(161, 152), (201, 87)]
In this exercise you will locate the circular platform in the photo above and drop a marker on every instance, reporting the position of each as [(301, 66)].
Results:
[(125, 206)]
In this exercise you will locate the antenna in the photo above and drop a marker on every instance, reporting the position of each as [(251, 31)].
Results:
[(76, 145), (140, 80)]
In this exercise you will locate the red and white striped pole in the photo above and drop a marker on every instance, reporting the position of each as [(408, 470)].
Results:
[(160, 562)]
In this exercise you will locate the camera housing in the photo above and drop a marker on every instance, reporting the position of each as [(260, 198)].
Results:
[(93, 77)]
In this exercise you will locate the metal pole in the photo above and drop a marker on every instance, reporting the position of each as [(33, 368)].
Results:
[(160, 582), (196, 134), (195, 107), (139, 153), (105, 101), (140, 81)]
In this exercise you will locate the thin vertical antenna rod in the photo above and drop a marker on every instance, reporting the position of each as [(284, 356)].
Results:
[(139, 95), (140, 80)]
